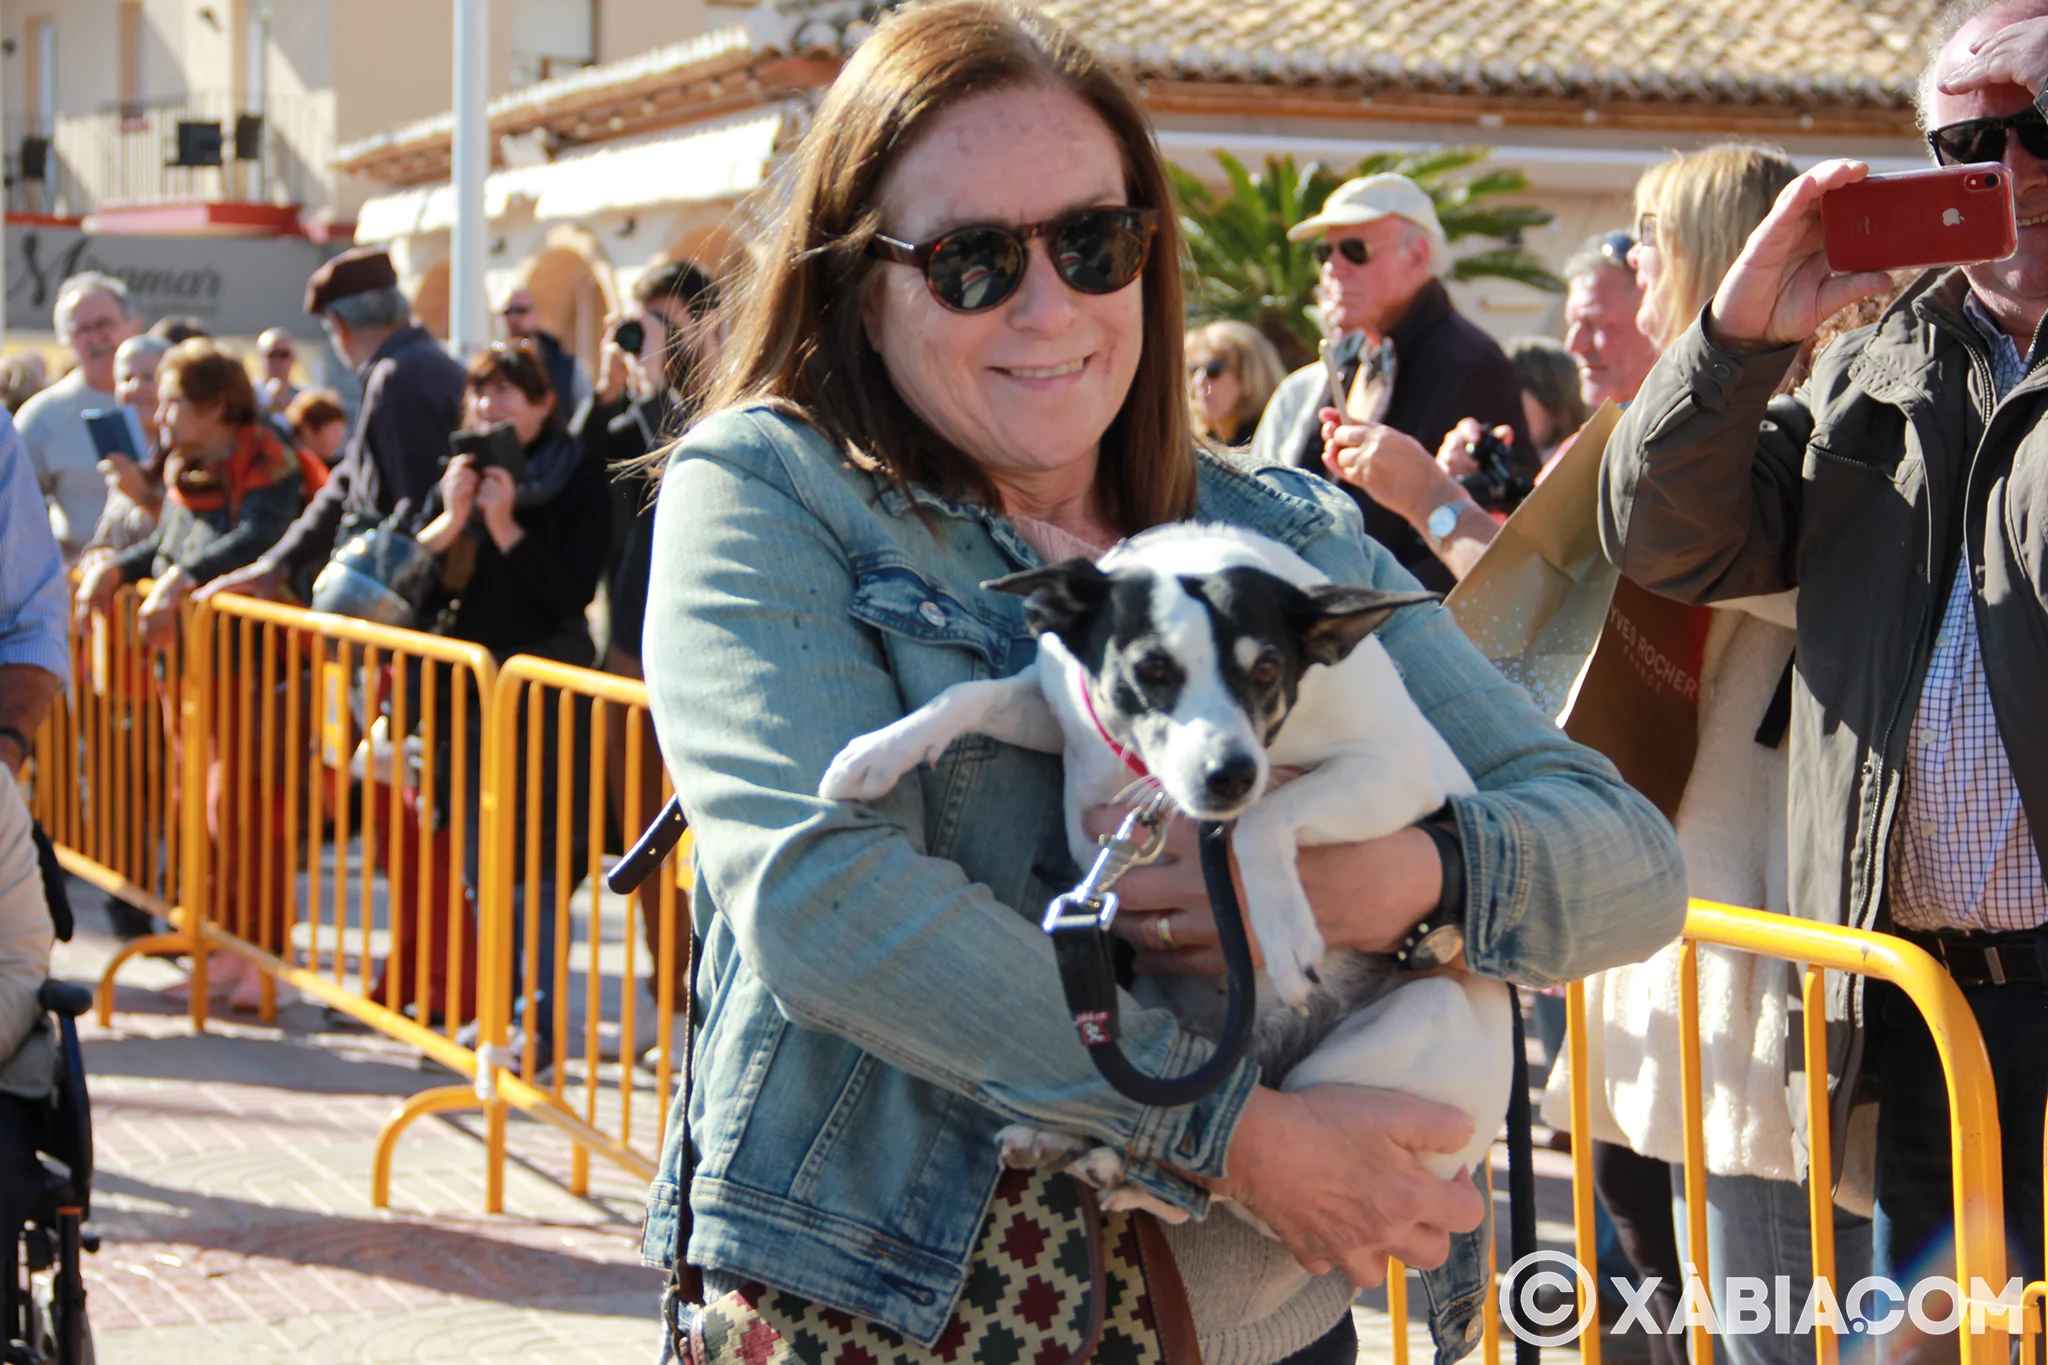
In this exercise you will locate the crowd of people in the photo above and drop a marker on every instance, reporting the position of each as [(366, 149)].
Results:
[(893, 409)]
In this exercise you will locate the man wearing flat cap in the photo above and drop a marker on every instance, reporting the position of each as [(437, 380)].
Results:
[(412, 400), (1410, 361)]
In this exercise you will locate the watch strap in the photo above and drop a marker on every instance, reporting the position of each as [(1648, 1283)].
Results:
[(1442, 829), (1456, 508)]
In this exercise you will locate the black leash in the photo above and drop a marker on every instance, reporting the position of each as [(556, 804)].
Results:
[(1079, 924), (1521, 1167)]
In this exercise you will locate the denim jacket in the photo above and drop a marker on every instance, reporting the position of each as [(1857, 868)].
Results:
[(876, 998)]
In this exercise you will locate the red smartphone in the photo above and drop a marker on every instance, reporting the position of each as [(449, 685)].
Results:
[(1951, 215)]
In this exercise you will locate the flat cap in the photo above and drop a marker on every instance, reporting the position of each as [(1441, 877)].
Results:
[(355, 271)]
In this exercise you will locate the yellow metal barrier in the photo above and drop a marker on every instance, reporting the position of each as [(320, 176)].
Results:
[(105, 787), (549, 720), (1973, 1111)]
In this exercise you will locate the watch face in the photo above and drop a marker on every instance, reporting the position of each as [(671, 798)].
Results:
[(1436, 947), (1443, 521)]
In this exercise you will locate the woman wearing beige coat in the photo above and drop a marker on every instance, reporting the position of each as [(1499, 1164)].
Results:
[(1694, 212)]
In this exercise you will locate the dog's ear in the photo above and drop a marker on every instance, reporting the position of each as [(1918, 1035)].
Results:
[(1057, 597), (1339, 616)]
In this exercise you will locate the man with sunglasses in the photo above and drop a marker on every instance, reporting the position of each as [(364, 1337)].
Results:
[(1903, 489), (1382, 253)]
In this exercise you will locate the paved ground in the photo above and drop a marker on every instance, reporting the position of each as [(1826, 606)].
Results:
[(233, 1200)]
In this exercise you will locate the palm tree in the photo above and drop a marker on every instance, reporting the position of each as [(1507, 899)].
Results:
[(1245, 268)]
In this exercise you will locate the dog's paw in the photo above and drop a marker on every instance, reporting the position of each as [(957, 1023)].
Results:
[(1026, 1148), (1131, 1199), (1291, 964), (1102, 1167), (870, 767)]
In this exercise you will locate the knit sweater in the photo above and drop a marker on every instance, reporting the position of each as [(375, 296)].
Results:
[(1731, 826)]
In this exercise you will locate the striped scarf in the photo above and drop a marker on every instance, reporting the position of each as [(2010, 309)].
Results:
[(259, 460)]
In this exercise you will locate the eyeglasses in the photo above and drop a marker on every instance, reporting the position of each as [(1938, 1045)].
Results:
[(974, 269), (1646, 229), (1615, 246), (1983, 139), (1351, 249), (515, 310), (1214, 369), (279, 355)]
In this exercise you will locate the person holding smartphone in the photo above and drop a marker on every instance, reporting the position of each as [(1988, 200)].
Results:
[(522, 551), (1902, 490)]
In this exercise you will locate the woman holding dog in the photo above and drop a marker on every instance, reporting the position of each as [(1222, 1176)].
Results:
[(962, 357)]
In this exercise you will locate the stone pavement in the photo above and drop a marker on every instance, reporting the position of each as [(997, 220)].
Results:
[(233, 1202)]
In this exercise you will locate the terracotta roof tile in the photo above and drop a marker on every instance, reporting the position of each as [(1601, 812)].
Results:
[(1824, 51)]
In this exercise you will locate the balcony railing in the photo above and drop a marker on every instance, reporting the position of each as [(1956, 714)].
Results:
[(203, 146)]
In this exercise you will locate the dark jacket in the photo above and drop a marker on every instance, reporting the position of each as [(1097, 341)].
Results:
[(1446, 369), (531, 600), (412, 399), (1863, 490), (613, 434)]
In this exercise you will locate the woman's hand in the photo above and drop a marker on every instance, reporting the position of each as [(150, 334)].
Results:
[(494, 502), (1780, 288), (1334, 1173), (96, 588), (158, 618), (458, 489), (1366, 895), (1390, 467)]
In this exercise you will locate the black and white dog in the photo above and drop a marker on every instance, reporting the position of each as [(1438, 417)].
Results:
[(1204, 656)]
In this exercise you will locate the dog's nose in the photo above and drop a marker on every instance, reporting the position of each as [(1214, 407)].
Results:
[(1230, 778)]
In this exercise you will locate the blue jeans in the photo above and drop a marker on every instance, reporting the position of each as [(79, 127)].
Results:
[(1913, 1230), (1762, 1229)]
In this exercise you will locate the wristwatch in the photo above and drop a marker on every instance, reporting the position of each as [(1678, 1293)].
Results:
[(1439, 936), (1444, 519)]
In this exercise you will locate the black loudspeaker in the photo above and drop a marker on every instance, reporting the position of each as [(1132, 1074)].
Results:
[(199, 143), (35, 158), (248, 137)]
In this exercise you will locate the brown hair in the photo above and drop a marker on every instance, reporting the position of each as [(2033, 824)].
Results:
[(518, 364), (1257, 363), (203, 373), (797, 332), (314, 409)]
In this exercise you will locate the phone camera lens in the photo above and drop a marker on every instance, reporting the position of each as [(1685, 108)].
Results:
[(1990, 182)]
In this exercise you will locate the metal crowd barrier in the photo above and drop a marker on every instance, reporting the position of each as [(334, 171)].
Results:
[(1973, 1128), (105, 785), (566, 748)]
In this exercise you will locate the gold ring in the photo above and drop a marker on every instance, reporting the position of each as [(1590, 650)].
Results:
[(1165, 928)]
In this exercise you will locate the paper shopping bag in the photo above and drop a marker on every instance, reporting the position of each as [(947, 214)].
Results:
[(1535, 602)]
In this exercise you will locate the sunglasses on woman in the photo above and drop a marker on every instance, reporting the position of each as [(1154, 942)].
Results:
[(1351, 249), (1214, 369), (1615, 246), (1983, 139), (974, 269)]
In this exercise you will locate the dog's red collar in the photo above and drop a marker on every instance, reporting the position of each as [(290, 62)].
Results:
[(1130, 760)]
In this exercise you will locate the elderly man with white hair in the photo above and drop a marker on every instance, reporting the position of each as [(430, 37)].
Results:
[(1410, 362), (93, 318)]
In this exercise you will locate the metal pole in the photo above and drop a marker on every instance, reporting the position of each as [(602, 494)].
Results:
[(469, 314)]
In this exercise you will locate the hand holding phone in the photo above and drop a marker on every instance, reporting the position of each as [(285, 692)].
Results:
[(1333, 375), (1950, 215), (1780, 288), (495, 447)]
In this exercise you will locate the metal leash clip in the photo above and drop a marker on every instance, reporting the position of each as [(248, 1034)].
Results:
[(1138, 840)]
